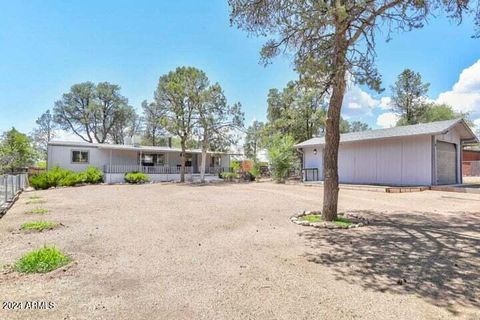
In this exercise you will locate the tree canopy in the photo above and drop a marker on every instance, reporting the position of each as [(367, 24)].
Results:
[(409, 97), (44, 132), (92, 111), (254, 139), (16, 151)]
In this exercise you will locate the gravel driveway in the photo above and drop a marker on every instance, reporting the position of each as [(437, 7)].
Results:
[(229, 251)]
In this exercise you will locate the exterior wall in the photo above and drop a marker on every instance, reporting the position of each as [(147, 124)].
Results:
[(395, 161), (452, 136), (310, 160), (62, 156)]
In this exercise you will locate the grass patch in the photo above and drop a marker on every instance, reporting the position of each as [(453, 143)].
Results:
[(34, 197), (39, 225), (37, 211), (36, 201), (340, 221), (43, 260)]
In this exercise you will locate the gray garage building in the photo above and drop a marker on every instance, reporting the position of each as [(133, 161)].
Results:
[(414, 155)]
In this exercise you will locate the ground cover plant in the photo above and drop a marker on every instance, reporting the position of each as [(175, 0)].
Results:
[(339, 221), (43, 260), (39, 225), (37, 211)]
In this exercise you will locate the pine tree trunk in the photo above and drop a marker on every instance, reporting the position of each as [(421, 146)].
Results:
[(332, 135), (182, 160)]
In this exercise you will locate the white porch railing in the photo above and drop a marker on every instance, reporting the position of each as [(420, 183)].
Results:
[(122, 168)]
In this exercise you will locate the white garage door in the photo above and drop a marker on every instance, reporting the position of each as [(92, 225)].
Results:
[(446, 163)]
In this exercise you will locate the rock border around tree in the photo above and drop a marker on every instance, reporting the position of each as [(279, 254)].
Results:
[(357, 221)]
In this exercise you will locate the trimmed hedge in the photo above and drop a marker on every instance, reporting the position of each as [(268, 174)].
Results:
[(135, 177), (58, 177)]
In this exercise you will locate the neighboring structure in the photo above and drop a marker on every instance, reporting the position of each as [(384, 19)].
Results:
[(159, 163), (471, 161), (422, 154)]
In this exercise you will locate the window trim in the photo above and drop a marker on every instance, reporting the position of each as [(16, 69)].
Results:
[(78, 150)]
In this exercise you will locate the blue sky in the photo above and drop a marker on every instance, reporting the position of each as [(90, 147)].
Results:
[(45, 47)]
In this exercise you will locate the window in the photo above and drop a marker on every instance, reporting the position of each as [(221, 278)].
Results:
[(79, 156), (153, 159)]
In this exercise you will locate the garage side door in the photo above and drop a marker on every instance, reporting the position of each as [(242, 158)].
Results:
[(446, 163)]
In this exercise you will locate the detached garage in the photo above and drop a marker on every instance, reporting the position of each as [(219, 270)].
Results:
[(415, 155)]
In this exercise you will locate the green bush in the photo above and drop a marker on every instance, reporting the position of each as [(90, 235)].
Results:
[(41, 261), (71, 179), (39, 181), (229, 176), (93, 175), (255, 171), (281, 155), (65, 178), (136, 177)]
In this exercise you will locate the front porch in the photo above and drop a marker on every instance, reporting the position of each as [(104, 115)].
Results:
[(160, 163), (159, 173)]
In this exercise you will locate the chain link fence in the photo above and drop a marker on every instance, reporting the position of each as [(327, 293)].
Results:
[(10, 186)]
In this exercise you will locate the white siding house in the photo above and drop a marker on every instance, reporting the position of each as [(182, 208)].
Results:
[(416, 155), (159, 163)]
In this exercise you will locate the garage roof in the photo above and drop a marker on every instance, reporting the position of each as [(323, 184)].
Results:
[(431, 128)]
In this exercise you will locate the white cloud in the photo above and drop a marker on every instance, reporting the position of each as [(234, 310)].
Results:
[(476, 123), (465, 94), (387, 120), (358, 100), (385, 103)]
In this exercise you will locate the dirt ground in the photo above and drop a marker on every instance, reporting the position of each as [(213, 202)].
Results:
[(229, 251)]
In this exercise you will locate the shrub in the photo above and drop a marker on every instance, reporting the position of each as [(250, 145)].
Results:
[(51, 178), (282, 156), (71, 179), (135, 177), (65, 178), (229, 176), (41, 261), (39, 181), (255, 171), (39, 225), (93, 175)]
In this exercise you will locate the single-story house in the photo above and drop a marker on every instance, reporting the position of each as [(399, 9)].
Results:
[(159, 163), (415, 155)]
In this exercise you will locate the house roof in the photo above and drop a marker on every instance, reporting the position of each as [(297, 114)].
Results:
[(107, 146), (431, 128)]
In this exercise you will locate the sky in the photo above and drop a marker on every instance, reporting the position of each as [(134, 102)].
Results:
[(47, 46)]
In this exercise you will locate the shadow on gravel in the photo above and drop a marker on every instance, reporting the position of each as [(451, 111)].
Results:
[(427, 254)]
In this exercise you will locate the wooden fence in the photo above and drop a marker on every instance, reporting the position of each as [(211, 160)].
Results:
[(471, 168)]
